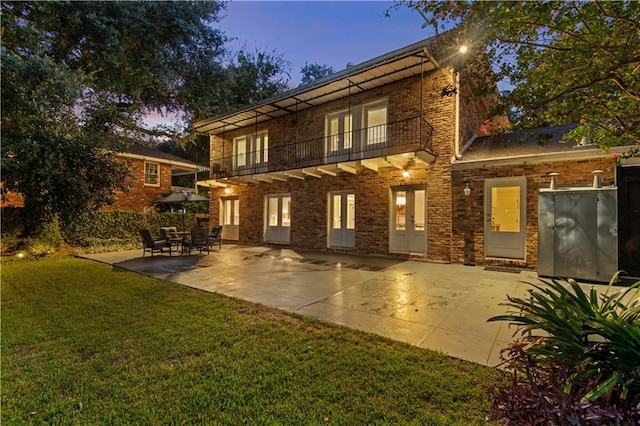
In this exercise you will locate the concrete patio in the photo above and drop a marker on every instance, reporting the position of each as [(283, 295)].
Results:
[(433, 306)]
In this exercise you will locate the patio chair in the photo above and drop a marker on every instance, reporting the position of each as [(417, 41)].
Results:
[(216, 236), (199, 240), (148, 243), (169, 233)]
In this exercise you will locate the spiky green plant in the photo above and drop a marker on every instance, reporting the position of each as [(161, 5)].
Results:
[(586, 343)]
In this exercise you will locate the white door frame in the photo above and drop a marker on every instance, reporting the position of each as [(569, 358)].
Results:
[(341, 230), (230, 217), (499, 240), (277, 218), (408, 233)]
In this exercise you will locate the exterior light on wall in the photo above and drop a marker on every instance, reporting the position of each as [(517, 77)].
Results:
[(467, 190), (227, 190), (406, 173)]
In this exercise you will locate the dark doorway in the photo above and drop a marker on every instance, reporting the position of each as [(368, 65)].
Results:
[(629, 220)]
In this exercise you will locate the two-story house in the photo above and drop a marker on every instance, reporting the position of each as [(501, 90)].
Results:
[(358, 161), (382, 158)]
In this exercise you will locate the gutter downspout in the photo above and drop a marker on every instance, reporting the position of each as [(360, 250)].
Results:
[(457, 154)]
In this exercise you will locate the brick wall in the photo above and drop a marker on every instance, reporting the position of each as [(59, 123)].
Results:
[(467, 244), (373, 189), (141, 197)]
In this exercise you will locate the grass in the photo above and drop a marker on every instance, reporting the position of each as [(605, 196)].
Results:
[(85, 343)]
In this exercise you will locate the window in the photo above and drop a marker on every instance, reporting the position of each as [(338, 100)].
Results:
[(375, 116), (240, 152), (357, 128), (152, 174), (339, 131), (262, 148), (250, 150)]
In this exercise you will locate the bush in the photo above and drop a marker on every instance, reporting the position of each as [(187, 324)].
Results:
[(88, 229), (577, 360)]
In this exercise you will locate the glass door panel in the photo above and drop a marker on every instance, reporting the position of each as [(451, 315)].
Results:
[(342, 220), (505, 216), (278, 218), (409, 217), (230, 215)]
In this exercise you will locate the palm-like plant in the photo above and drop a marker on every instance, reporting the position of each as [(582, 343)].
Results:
[(586, 344)]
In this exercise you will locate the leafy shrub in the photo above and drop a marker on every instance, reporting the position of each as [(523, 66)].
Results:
[(50, 234), (88, 229), (577, 360)]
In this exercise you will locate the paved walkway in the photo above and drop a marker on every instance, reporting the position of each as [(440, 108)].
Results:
[(433, 306)]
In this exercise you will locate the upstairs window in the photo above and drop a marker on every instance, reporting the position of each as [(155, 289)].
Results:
[(251, 150), (375, 121), (357, 128), (151, 174)]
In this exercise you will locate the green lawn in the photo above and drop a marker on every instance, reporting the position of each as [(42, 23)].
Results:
[(85, 343)]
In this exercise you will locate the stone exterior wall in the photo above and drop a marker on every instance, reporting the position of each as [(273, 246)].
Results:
[(309, 226), (467, 244)]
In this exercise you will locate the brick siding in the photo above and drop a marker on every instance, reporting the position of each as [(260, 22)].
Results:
[(467, 244), (373, 189)]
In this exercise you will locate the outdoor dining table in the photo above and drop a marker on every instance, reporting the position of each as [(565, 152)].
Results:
[(177, 238)]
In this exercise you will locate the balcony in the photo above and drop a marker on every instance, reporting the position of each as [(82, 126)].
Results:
[(386, 145)]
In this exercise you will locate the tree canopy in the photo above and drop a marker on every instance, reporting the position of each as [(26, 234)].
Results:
[(314, 71), (567, 61), (78, 79)]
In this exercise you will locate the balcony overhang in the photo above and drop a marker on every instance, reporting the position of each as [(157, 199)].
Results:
[(394, 66), (408, 161)]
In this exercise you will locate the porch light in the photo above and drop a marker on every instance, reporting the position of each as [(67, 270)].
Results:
[(406, 173), (467, 190), (227, 190)]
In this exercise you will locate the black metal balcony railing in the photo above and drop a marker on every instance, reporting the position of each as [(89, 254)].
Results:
[(413, 134)]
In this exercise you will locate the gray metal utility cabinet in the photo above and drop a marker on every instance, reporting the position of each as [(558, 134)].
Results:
[(578, 232)]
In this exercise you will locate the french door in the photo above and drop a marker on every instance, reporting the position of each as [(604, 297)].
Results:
[(277, 218), (230, 214), (339, 131), (505, 217), (409, 220), (342, 219)]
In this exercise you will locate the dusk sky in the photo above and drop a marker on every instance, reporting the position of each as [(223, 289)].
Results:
[(325, 32)]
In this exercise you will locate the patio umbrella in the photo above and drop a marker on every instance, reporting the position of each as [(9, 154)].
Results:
[(182, 198)]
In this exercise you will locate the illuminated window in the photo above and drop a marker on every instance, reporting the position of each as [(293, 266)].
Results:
[(505, 209)]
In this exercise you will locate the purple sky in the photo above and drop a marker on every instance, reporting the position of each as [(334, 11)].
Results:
[(325, 32)]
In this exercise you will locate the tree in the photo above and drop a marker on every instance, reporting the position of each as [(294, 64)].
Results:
[(78, 78), (567, 61), (314, 71), (254, 76)]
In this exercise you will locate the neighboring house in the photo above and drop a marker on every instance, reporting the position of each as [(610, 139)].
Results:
[(153, 172), (371, 160)]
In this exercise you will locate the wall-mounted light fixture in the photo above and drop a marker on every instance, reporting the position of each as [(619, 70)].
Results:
[(467, 190), (227, 190), (406, 173)]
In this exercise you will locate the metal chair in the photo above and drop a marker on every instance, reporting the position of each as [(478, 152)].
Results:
[(199, 240), (216, 236), (148, 243), (169, 233)]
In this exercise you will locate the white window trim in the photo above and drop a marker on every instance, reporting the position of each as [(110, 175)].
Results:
[(251, 155), (384, 102), (145, 174)]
